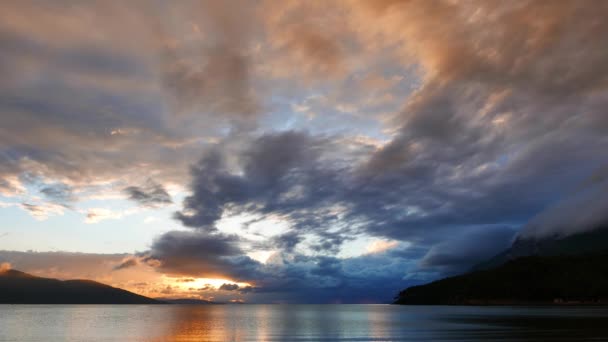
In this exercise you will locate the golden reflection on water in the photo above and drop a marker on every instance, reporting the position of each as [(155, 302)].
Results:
[(216, 323), (274, 322), (235, 322), (193, 323)]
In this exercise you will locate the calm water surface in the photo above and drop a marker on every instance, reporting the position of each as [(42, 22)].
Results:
[(299, 323)]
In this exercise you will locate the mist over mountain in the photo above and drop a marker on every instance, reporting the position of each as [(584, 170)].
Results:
[(586, 242)]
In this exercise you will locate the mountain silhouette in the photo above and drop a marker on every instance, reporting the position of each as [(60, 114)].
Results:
[(564, 279), (551, 270), (17, 287)]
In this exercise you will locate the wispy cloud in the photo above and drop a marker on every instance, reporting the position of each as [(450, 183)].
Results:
[(149, 195), (96, 215)]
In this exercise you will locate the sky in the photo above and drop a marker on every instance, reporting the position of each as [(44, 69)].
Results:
[(295, 151)]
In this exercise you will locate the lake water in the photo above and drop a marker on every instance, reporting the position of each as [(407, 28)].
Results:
[(299, 323)]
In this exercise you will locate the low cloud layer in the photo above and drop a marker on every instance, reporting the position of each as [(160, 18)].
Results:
[(584, 210)]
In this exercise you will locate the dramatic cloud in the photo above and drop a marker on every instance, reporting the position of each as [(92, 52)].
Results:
[(202, 254), (277, 173)]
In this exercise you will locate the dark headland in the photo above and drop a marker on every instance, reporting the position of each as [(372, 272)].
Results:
[(21, 288), (553, 271)]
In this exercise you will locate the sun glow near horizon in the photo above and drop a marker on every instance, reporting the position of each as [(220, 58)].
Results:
[(202, 288)]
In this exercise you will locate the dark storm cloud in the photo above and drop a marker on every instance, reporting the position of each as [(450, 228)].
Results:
[(197, 253), (149, 195), (275, 173)]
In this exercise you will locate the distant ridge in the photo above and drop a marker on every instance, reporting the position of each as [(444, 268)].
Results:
[(15, 274), (17, 287)]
